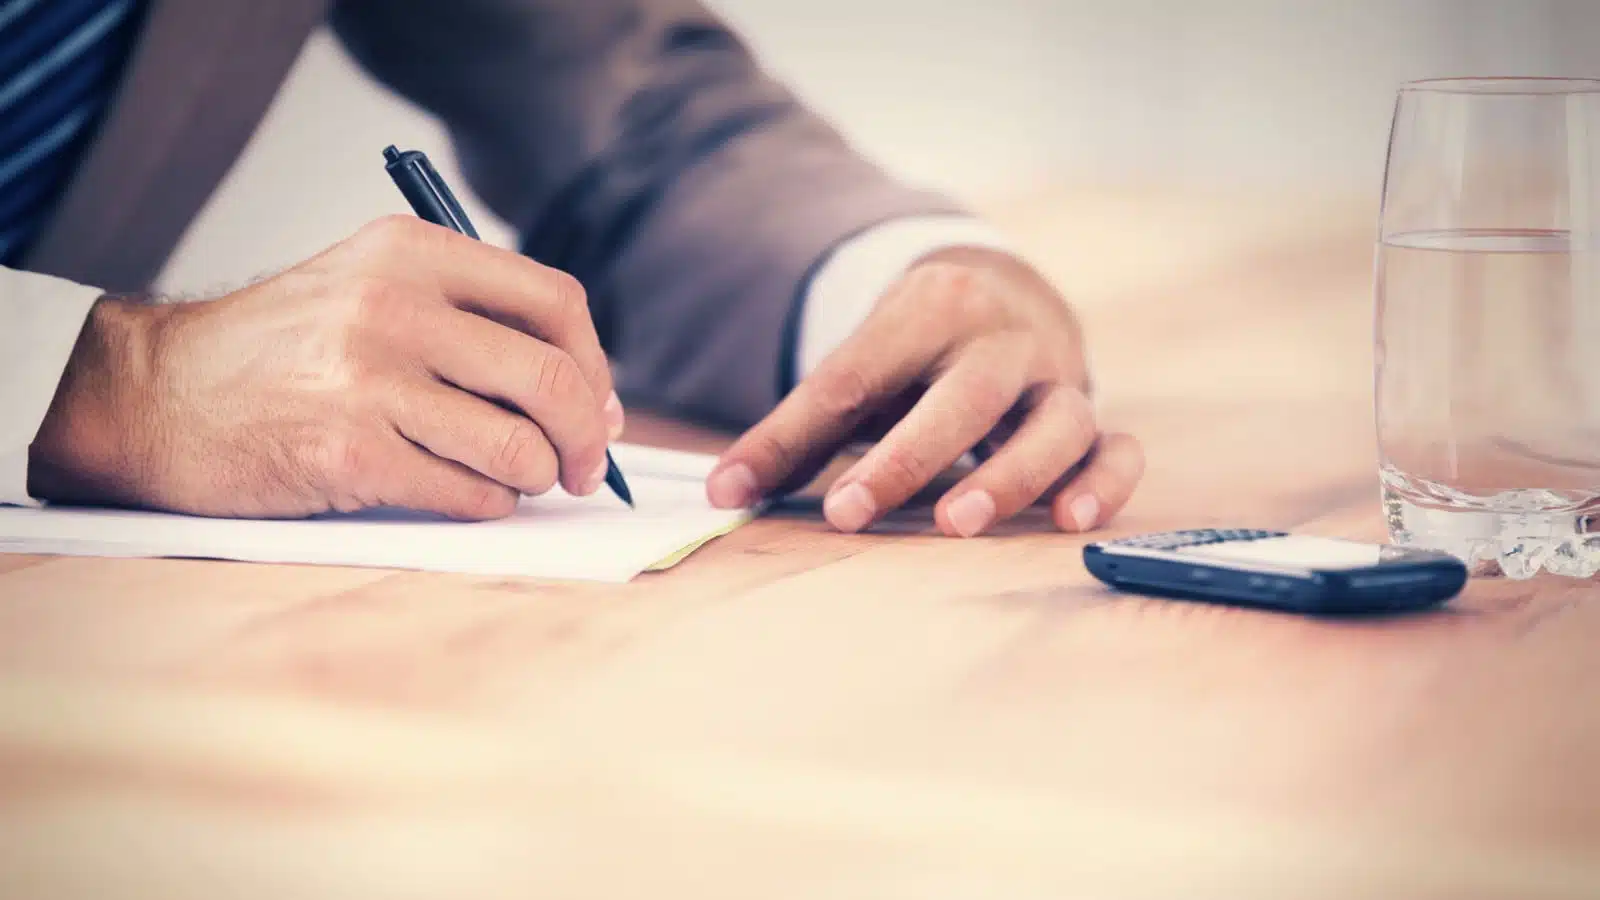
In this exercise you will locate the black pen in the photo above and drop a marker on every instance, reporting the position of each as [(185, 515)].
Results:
[(432, 201)]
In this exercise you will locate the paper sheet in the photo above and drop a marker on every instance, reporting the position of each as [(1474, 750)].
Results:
[(596, 538)]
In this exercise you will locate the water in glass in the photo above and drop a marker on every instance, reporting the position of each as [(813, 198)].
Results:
[(1487, 398), (1488, 324)]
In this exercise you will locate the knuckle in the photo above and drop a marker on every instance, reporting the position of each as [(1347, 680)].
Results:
[(965, 295), (571, 324), (524, 459), (374, 300), (487, 500), (958, 279), (354, 355), (554, 375), (1078, 420), (354, 377), (342, 463), (944, 274), (340, 457), (776, 454), (903, 468), (950, 282), (986, 394), (1031, 478), (841, 391), (571, 300), (376, 310), (976, 302), (389, 236)]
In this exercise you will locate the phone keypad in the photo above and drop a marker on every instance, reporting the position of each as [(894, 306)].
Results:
[(1194, 537)]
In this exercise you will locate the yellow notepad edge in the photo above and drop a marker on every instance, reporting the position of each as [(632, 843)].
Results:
[(682, 553)]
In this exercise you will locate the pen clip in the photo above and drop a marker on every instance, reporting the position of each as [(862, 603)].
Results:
[(447, 199), (426, 191)]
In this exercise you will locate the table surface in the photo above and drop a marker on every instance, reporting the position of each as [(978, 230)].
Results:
[(797, 713)]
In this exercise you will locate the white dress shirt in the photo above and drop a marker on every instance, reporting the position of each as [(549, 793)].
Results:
[(41, 316)]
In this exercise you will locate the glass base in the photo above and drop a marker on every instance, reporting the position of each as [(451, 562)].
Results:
[(1516, 533)]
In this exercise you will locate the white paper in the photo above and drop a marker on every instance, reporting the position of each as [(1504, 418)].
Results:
[(595, 538)]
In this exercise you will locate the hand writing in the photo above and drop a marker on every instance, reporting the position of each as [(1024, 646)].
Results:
[(405, 366)]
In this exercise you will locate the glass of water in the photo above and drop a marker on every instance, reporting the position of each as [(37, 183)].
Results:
[(1488, 323)]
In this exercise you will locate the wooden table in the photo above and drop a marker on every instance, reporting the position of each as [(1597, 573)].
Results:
[(796, 713)]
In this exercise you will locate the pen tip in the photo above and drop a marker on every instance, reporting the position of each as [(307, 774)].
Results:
[(391, 153), (618, 485)]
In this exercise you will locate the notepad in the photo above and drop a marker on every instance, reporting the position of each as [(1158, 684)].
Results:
[(555, 535)]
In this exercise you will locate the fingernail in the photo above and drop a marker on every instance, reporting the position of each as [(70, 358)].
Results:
[(614, 416), (1085, 510), (850, 508), (971, 512), (595, 479), (732, 487)]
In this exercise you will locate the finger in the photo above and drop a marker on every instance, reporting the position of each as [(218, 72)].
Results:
[(886, 412), (1103, 488), (489, 439), (540, 301), (878, 362), (960, 407), (416, 479), (538, 379), (1054, 435)]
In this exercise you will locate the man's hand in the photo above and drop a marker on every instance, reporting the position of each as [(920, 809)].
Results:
[(971, 351), (407, 366)]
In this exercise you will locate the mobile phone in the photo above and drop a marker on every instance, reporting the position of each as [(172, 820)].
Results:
[(1278, 570)]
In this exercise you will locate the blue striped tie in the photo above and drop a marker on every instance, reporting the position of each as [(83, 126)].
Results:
[(59, 62)]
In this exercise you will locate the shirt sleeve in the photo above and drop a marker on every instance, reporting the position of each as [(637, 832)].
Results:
[(847, 285), (40, 318)]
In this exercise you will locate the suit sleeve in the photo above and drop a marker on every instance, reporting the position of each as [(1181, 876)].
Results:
[(40, 318), (639, 146)]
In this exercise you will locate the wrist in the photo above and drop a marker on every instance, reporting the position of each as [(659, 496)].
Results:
[(88, 446)]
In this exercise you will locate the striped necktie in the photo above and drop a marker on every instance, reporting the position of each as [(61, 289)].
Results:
[(59, 62)]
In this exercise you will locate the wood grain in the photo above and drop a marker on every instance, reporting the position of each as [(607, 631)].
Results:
[(797, 713)]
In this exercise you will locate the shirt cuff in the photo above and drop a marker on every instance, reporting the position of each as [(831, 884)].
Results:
[(848, 284), (40, 318)]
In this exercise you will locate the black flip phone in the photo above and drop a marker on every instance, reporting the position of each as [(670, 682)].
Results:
[(1278, 570)]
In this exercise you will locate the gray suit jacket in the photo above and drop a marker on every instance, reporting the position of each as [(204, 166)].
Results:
[(635, 143)]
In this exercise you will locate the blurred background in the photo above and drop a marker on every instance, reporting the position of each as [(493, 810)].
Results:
[(986, 99)]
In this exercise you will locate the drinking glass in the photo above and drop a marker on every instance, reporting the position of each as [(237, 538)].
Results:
[(1488, 323)]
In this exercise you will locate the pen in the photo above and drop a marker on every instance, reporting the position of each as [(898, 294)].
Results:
[(432, 201)]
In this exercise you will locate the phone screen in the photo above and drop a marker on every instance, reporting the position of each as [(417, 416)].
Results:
[(1295, 550)]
